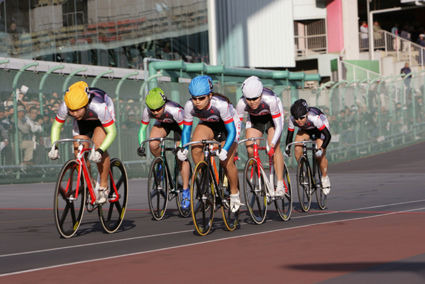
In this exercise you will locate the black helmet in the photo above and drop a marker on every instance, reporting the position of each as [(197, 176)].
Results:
[(299, 108)]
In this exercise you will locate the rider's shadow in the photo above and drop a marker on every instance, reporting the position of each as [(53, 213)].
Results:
[(95, 227)]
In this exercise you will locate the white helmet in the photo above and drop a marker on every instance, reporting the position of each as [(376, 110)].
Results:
[(252, 87)]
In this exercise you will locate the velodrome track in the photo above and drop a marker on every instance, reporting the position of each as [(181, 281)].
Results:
[(372, 232)]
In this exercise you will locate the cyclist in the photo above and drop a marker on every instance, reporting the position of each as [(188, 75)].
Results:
[(313, 125), (94, 118), (219, 121), (168, 116), (265, 115)]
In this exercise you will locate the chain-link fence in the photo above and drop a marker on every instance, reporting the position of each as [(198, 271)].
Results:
[(365, 117)]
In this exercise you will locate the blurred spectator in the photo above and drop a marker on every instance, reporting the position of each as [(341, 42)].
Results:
[(377, 35), (4, 131), (13, 40), (396, 40), (405, 71), (28, 129), (421, 42), (404, 33)]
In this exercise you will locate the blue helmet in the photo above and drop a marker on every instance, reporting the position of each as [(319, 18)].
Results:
[(200, 86)]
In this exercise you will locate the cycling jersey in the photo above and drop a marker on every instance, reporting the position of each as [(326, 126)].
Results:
[(173, 114), (100, 108), (316, 119), (218, 111), (270, 106), (316, 125)]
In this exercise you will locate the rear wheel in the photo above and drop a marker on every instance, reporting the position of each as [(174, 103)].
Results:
[(304, 184), (111, 214), (320, 196), (69, 200), (158, 188), (254, 192), (231, 219), (284, 204), (202, 199)]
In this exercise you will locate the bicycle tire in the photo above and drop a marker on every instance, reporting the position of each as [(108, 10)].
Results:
[(304, 185), (111, 214), (320, 196), (67, 216), (202, 199), (284, 204), (231, 219), (158, 188), (185, 213), (255, 199)]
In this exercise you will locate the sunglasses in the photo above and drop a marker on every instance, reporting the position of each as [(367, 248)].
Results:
[(156, 110), (252, 99), (301, 117), (201, 98)]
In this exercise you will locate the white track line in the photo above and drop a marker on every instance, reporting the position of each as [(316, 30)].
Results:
[(191, 230), (206, 242)]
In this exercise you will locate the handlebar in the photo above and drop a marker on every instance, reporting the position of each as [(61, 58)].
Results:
[(204, 142), (313, 143), (251, 139), (160, 139), (91, 143)]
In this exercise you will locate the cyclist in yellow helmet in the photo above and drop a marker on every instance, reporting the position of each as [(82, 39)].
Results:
[(168, 116), (94, 118)]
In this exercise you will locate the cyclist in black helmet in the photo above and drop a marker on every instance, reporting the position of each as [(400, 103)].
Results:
[(314, 125)]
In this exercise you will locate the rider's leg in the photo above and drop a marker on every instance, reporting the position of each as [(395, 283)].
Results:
[(322, 161), (251, 132), (99, 135), (278, 156), (201, 132), (230, 168), (301, 136), (154, 146), (86, 145)]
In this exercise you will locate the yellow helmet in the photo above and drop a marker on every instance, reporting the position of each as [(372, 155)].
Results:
[(77, 95)]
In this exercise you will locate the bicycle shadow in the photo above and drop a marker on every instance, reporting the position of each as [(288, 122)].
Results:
[(95, 227)]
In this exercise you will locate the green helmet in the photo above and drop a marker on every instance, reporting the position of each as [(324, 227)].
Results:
[(156, 98)]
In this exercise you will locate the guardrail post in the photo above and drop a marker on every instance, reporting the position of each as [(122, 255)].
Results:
[(93, 84), (42, 81)]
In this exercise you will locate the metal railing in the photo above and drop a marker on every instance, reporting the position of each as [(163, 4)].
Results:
[(310, 44)]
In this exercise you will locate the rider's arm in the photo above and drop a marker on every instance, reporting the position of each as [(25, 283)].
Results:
[(55, 131), (240, 109), (289, 136), (327, 139), (187, 122), (143, 125), (231, 134), (277, 116), (111, 133)]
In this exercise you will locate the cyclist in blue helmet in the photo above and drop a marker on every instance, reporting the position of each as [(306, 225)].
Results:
[(218, 120)]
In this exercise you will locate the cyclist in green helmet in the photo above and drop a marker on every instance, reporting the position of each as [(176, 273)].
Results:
[(168, 116)]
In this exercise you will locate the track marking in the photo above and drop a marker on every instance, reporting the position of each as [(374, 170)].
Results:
[(191, 244), (191, 230)]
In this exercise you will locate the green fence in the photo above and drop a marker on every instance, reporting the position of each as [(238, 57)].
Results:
[(365, 117)]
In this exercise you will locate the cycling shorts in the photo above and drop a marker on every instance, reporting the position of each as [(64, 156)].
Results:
[(168, 127), (261, 123), (85, 127)]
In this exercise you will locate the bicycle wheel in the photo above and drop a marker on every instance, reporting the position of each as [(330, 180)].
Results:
[(111, 214), (68, 207), (179, 197), (231, 219), (284, 204), (254, 192), (202, 199), (304, 184), (320, 196), (158, 189)]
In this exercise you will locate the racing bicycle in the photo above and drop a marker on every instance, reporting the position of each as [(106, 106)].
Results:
[(162, 185), (74, 192), (209, 190), (309, 176), (257, 186)]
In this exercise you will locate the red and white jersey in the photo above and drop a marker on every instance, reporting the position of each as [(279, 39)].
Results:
[(100, 107), (316, 119), (270, 105), (173, 113)]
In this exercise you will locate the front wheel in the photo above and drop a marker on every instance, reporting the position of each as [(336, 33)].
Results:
[(202, 199), (231, 219), (284, 204), (111, 214), (69, 200), (304, 185), (255, 192), (320, 196), (158, 188)]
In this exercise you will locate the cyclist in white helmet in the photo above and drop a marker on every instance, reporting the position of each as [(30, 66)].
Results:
[(265, 115)]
